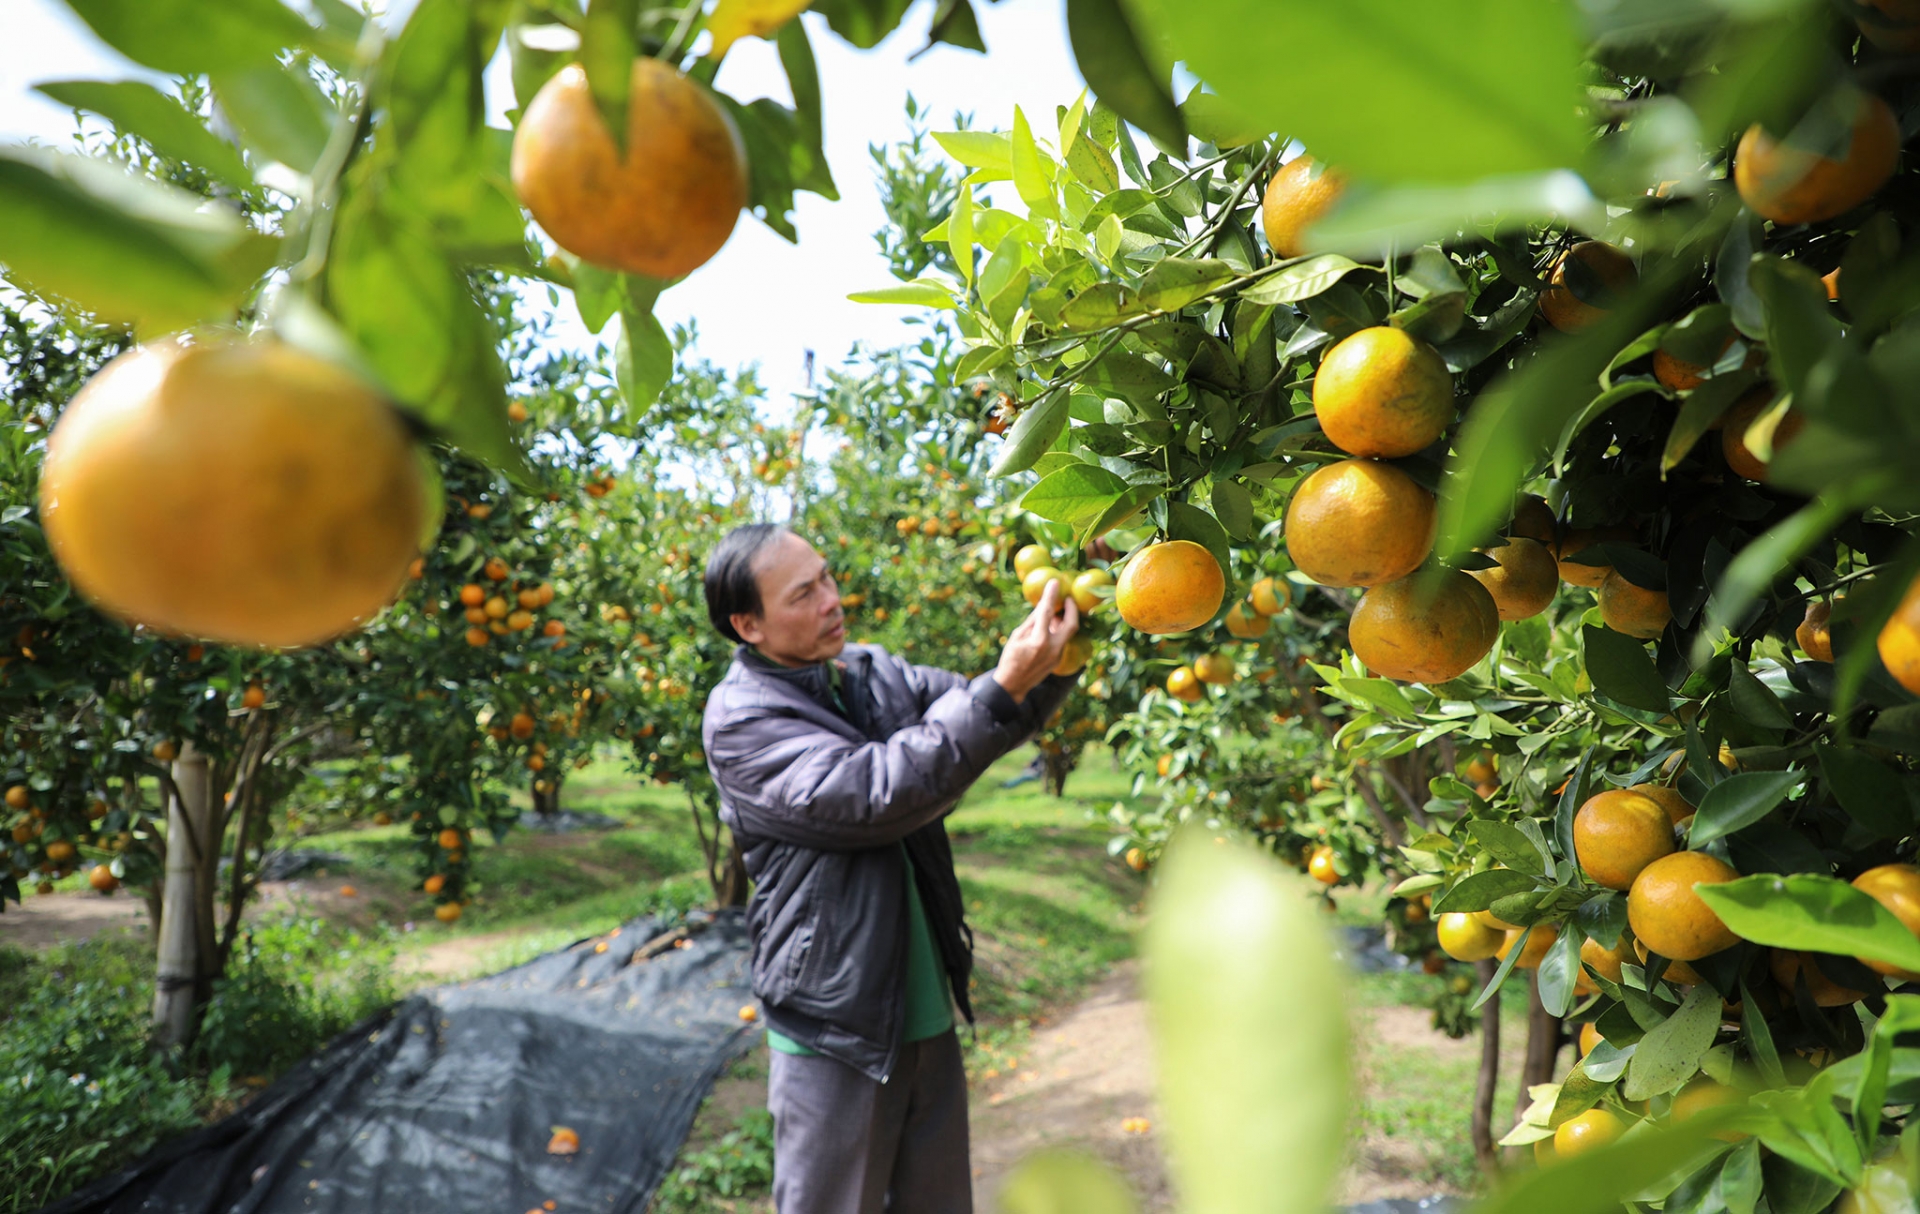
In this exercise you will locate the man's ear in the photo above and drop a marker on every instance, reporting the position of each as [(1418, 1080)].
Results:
[(748, 626)]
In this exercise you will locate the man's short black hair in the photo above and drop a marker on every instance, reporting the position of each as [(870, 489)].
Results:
[(730, 585)]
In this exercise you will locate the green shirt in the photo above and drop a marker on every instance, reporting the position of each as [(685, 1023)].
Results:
[(929, 1002)]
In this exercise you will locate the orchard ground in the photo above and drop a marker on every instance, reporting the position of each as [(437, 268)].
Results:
[(1063, 1052)]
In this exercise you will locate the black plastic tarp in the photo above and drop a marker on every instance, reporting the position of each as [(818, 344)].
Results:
[(446, 1102)]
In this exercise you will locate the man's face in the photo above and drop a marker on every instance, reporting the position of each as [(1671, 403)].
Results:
[(799, 621)]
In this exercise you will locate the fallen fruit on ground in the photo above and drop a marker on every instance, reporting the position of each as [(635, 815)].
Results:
[(661, 207), (1359, 522), (1383, 392), (566, 1141), (134, 493)]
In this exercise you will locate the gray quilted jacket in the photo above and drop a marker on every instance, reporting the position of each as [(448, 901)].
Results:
[(820, 800)]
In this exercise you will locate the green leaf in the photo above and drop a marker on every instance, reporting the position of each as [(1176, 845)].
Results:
[(1040, 424), (1669, 1054), (1031, 176), (643, 359), (534, 53), (1175, 282), (1128, 376), (607, 51), (1508, 845), (803, 81), (1108, 53), (862, 22), (920, 293), (169, 127), (960, 232), (1593, 1181), (1478, 891), (1872, 793), (1812, 913), (1233, 506), (1302, 279), (991, 150), (1129, 503), (1213, 120), (280, 113), (1455, 89), (1621, 669), (188, 38), (1554, 978), (1738, 802), (1754, 701), (1075, 495), (121, 246), (1064, 1182), (1231, 936), (1373, 221)]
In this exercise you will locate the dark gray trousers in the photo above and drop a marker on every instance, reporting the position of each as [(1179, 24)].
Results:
[(843, 1144)]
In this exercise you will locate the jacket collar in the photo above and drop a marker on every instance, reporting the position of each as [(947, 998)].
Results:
[(824, 683)]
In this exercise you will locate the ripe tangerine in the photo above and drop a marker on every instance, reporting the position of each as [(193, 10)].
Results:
[(1796, 185), (1174, 586), (1425, 628), (1383, 392), (1301, 193), (1359, 522)]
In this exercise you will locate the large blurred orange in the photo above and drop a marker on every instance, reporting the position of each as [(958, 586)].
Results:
[(664, 207), (1359, 523), (1300, 193), (1619, 832), (1632, 609), (1383, 392), (1796, 185), (1426, 628), (1245, 624), (1899, 641), (1896, 887), (1184, 684), (1587, 281), (1523, 579), (1669, 917), (245, 492), (1891, 25), (1174, 586)]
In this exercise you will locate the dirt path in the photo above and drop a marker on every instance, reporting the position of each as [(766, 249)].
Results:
[(42, 920)]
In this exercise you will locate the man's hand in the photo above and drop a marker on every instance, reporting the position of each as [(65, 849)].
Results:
[(1034, 648)]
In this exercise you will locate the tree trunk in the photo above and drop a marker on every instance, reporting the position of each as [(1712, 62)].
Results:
[(1055, 767), (1543, 1044), (547, 803), (1488, 1081), (190, 847), (735, 885)]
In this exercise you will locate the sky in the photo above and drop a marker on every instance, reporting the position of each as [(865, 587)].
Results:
[(760, 300)]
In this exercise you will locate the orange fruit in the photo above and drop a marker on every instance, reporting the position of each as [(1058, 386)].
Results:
[(1586, 282), (1074, 657), (1533, 519), (1034, 584), (1619, 832), (447, 912), (1214, 668), (1896, 887), (1164, 766), (1536, 948), (521, 726), (1633, 610), (1891, 25), (449, 839), (1669, 917), (1733, 433), (477, 637), (1322, 866), (528, 598), (1174, 586), (519, 621), (434, 884), (1589, 1037), (661, 208), (1815, 634), (553, 628), (1426, 628), (1087, 589), (1678, 808), (1591, 576), (101, 878), (1480, 769), (1899, 640), (1301, 193), (1245, 624), (60, 851), (1524, 579), (1788, 966), (1136, 860), (333, 507), (1383, 392), (1679, 375), (1359, 523), (1795, 185), (166, 752), (1030, 558), (496, 569), (1465, 938), (18, 797), (255, 696), (1184, 684), (1677, 971), (1590, 1130), (496, 608), (472, 595), (1270, 596), (1605, 962)]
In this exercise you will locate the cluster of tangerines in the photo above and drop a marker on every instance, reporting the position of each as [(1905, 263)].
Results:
[(58, 857), (506, 607), (1246, 620), (453, 845)]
